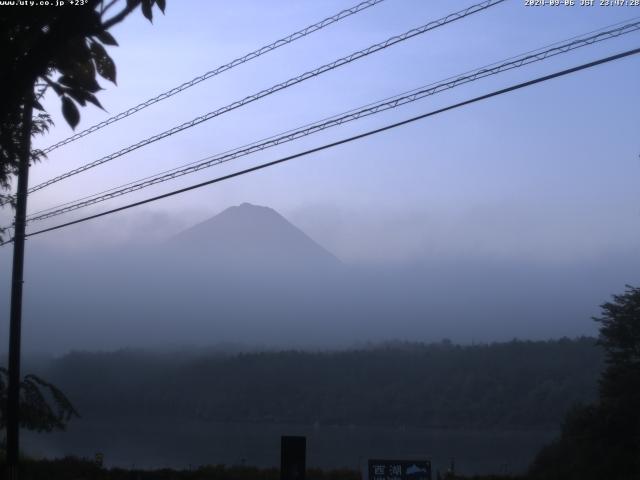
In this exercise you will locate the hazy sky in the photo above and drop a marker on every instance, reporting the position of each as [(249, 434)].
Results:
[(549, 171)]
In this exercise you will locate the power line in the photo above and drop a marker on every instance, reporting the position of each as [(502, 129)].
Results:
[(347, 140), (601, 30), (218, 70), (309, 129), (280, 86), (537, 50)]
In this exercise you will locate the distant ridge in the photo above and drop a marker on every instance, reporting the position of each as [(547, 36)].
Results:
[(251, 235)]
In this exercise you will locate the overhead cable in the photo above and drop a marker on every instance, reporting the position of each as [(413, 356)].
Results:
[(345, 140), (218, 70), (309, 129), (280, 86)]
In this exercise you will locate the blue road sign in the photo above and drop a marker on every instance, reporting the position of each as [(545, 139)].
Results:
[(399, 469)]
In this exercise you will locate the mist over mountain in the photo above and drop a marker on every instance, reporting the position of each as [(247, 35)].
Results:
[(251, 237), (248, 276)]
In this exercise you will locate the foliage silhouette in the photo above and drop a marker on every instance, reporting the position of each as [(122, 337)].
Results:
[(43, 47), (36, 399), (602, 440), (62, 49)]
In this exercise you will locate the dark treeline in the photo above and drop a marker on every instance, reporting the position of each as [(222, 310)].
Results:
[(503, 385)]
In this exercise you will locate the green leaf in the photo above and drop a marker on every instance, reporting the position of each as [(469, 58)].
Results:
[(73, 52), (77, 95), (104, 64), (91, 98), (70, 112), (82, 97), (56, 86), (146, 9), (162, 4), (83, 82), (106, 38), (76, 63), (68, 81)]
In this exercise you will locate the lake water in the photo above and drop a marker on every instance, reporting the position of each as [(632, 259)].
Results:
[(189, 443)]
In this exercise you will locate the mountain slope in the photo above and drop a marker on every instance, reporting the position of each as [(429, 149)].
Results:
[(248, 236)]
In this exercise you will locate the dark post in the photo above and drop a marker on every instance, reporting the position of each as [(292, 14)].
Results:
[(13, 397), (293, 451)]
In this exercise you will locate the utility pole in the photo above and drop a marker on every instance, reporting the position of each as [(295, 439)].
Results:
[(13, 400)]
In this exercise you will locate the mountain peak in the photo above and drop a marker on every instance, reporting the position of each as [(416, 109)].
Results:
[(247, 208), (248, 235), (249, 205)]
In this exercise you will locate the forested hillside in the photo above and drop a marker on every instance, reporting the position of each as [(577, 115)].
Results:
[(506, 385)]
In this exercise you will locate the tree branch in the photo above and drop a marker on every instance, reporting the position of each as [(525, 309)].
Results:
[(108, 6), (120, 16)]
